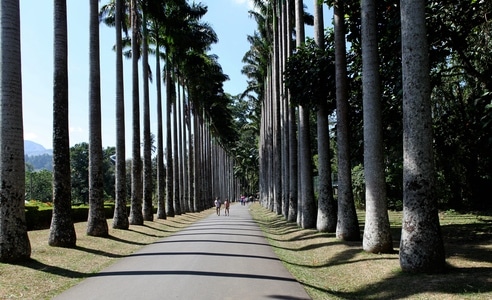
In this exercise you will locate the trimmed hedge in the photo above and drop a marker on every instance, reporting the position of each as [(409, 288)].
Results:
[(40, 218)]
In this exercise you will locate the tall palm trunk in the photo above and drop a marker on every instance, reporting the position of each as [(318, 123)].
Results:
[(198, 162), (293, 158), (136, 217), (62, 231), (276, 133), (14, 242), (377, 234), (285, 40), (169, 157), (161, 172), (347, 223), (96, 223), (148, 210), (326, 218), (208, 185), (176, 191), (179, 125), (191, 160), (120, 219), (184, 154), (421, 245), (308, 205)]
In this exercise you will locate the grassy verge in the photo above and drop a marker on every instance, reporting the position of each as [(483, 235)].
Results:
[(52, 270), (328, 268), (331, 269)]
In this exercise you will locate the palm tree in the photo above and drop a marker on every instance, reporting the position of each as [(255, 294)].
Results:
[(148, 211), (120, 218), (377, 235), (286, 40), (62, 231), (307, 203), (277, 135), (326, 218), (14, 242), (261, 70), (169, 157), (176, 167), (161, 207), (182, 149), (187, 39), (155, 12), (293, 153), (114, 14), (347, 223), (96, 223), (421, 245), (136, 217)]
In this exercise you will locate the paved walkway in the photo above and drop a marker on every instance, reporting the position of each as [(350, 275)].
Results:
[(218, 257)]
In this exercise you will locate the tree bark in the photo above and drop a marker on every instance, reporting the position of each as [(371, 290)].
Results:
[(136, 217), (148, 209), (421, 245), (292, 140), (120, 218), (307, 203), (14, 241), (347, 223), (161, 172), (96, 223), (377, 234), (327, 215), (62, 231)]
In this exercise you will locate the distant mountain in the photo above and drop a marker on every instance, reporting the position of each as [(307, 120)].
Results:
[(35, 149)]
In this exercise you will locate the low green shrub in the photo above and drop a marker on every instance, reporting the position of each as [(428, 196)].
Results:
[(38, 215)]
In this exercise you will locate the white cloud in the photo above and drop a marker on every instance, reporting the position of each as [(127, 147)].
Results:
[(248, 3)]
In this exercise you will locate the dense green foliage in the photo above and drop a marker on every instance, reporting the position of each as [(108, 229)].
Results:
[(310, 74), (39, 184), (79, 161), (460, 39), (39, 214), (461, 68), (246, 148)]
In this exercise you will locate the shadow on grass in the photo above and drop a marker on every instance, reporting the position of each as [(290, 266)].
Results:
[(152, 235), (156, 228), (39, 266), (463, 242), (117, 239), (457, 281), (99, 252)]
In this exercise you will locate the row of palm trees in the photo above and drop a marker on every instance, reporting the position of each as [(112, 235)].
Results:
[(286, 171), (192, 161)]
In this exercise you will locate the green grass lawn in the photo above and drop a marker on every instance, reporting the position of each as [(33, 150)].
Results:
[(327, 267), (52, 270), (331, 269)]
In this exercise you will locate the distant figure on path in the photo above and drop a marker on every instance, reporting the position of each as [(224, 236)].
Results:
[(217, 206), (226, 204)]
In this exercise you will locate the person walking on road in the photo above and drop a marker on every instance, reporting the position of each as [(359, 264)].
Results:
[(226, 205), (217, 206)]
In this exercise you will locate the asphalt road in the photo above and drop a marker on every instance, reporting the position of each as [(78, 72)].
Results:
[(219, 257)]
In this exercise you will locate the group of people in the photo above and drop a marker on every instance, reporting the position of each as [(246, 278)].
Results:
[(245, 199), (227, 203), (218, 205)]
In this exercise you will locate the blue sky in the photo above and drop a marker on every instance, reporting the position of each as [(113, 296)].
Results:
[(229, 18)]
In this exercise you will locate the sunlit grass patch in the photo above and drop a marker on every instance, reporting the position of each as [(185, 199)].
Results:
[(330, 268)]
